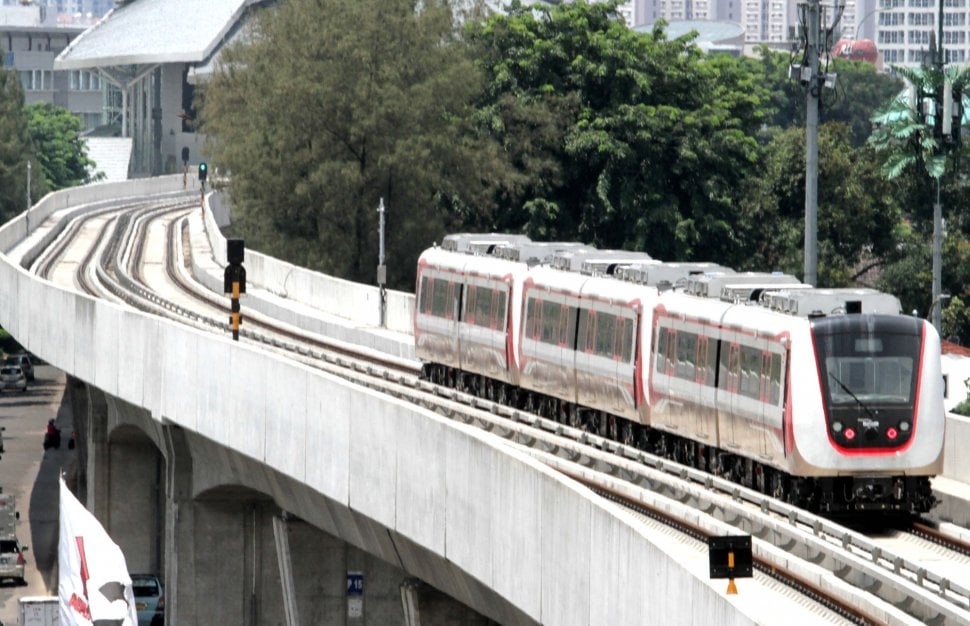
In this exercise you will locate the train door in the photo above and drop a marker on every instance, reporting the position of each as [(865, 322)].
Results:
[(705, 417), (666, 370), (453, 298), (729, 375), (766, 416)]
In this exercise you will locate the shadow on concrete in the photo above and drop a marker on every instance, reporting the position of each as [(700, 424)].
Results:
[(44, 498)]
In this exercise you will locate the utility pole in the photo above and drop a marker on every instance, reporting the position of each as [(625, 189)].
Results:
[(809, 74), (381, 267), (813, 22), (939, 99), (27, 212)]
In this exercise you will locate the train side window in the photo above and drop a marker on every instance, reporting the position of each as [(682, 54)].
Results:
[(605, 330), (686, 353), (627, 339), (531, 327), (700, 371), (564, 334), (425, 304), (439, 298), (661, 349), (775, 395), (550, 322), (483, 307), (750, 372), (730, 368), (453, 296), (500, 309)]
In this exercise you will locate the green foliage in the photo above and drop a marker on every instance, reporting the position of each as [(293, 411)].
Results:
[(335, 104), (955, 319), (860, 91), (774, 207), (62, 152), (620, 139), (15, 149)]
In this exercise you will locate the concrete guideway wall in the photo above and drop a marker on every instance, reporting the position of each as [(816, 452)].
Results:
[(554, 552), (332, 295)]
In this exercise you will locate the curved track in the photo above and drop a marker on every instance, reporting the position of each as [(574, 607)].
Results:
[(137, 253)]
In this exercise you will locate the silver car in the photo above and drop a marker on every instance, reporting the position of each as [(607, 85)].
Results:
[(24, 362), (12, 377), (12, 560)]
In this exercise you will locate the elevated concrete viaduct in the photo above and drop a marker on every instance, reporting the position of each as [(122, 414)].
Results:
[(210, 459)]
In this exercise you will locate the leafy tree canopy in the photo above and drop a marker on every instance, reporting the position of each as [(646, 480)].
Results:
[(62, 152), (15, 150), (335, 104), (857, 216), (860, 91), (620, 139)]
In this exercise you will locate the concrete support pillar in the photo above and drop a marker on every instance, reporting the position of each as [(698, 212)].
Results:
[(179, 525), (135, 518), (409, 602), (96, 438)]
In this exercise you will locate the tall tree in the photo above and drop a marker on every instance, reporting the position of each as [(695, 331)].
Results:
[(15, 150), (62, 151), (332, 105), (620, 139), (852, 240)]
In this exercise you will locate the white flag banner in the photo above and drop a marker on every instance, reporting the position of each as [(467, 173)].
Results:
[(94, 587)]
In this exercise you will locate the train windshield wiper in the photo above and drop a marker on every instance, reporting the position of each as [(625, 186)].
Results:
[(862, 405)]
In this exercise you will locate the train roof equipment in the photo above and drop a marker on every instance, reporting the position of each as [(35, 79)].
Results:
[(820, 302), (536, 252), (479, 243), (595, 262), (739, 287), (667, 275)]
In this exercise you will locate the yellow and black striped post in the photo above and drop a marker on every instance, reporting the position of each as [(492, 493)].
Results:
[(234, 282)]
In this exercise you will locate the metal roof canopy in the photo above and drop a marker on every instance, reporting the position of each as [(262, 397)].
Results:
[(151, 32)]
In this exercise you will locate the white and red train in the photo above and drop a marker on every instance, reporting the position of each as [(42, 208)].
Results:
[(828, 398)]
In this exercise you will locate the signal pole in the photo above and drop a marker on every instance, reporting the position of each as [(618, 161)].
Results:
[(381, 268), (27, 212)]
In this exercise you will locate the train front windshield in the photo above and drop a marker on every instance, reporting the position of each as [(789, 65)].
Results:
[(867, 367)]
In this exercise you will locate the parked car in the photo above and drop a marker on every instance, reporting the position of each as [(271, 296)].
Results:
[(12, 560), (2, 428), (159, 617), (147, 589), (23, 360), (12, 377)]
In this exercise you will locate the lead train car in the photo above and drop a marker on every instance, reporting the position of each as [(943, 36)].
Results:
[(827, 398)]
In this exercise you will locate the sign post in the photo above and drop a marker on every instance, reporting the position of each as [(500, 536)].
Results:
[(730, 557), (234, 282)]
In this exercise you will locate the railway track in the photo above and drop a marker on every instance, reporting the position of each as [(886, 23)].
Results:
[(863, 579)]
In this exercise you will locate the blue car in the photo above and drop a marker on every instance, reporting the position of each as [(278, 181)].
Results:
[(148, 591)]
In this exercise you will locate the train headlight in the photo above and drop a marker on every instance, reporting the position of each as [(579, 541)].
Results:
[(904, 427), (849, 434), (837, 426), (892, 433)]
